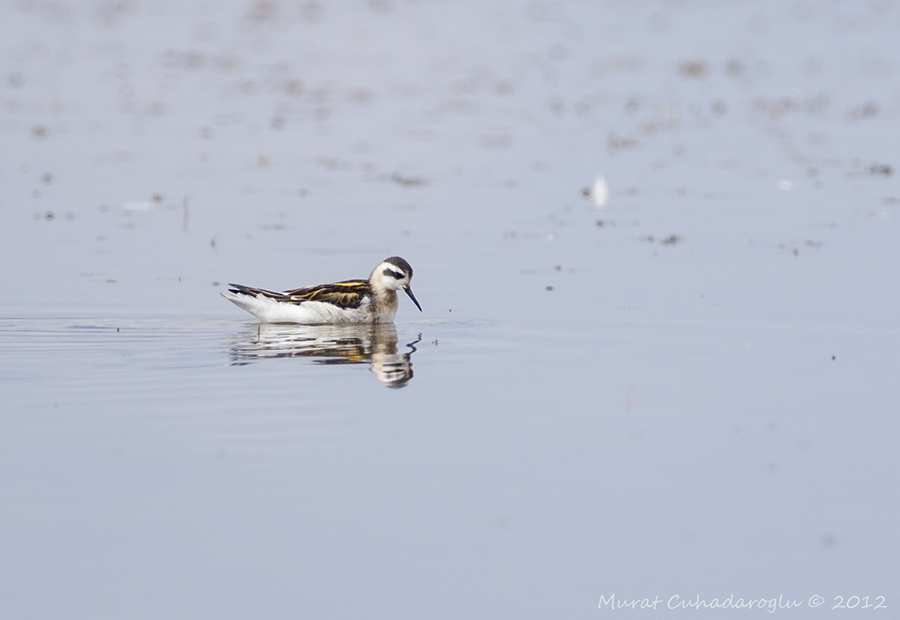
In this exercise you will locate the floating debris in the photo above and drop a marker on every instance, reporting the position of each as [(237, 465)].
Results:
[(670, 240), (599, 192), (406, 181), (693, 69), (882, 169), (618, 142), (186, 214), (866, 110)]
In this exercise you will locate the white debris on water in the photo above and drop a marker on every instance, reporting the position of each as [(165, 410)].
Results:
[(600, 192)]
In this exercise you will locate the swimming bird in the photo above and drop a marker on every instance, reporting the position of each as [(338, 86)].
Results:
[(349, 301)]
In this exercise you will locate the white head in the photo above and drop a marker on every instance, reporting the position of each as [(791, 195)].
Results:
[(393, 274)]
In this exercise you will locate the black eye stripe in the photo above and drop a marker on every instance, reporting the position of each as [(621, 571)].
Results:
[(394, 274)]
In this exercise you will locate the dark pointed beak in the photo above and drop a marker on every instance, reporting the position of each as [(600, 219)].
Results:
[(413, 297)]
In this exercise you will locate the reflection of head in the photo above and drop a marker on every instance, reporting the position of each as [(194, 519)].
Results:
[(392, 370)]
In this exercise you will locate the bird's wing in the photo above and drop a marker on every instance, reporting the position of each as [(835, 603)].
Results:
[(240, 289), (347, 294)]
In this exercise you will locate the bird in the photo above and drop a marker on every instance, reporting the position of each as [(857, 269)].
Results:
[(349, 301)]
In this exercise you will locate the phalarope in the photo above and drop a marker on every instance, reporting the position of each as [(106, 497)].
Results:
[(350, 301)]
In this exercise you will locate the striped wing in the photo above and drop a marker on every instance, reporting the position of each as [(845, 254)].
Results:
[(347, 294)]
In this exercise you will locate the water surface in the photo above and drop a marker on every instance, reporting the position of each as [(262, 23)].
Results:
[(687, 393)]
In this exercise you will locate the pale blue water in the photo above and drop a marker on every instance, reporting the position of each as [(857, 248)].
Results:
[(689, 393)]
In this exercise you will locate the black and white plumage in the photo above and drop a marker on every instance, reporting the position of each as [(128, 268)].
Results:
[(350, 301)]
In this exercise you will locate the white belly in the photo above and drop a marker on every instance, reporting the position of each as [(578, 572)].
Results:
[(309, 312)]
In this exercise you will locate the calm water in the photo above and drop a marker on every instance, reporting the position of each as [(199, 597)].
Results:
[(690, 392)]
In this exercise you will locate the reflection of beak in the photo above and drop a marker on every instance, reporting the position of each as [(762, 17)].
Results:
[(413, 297)]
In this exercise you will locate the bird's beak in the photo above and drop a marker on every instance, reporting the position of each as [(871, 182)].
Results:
[(413, 297)]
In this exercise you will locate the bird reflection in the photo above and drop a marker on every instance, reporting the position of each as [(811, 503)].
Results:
[(375, 344)]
